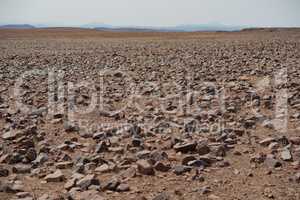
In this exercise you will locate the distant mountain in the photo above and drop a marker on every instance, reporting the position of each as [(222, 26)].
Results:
[(16, 26), (179, 28), (107, 27), (207, 27), (95, 25), (129, 29)]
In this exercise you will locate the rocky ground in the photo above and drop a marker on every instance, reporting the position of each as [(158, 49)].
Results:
[(149, 116)]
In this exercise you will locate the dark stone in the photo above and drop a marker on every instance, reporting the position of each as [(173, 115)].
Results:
[(180, 169), (159, 166), (162, 196), (4, 172), (185, 147)]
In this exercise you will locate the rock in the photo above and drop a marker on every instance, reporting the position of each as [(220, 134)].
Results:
[(86, 181), (57, 176), (119, 150), (136, 142), (123, 188), (21, 169), (249, 123), (41, 159), (111, 185), (145, 154), (15, 158), (202, 149), (77, 176), (197, 163), (162, 196), (297, 178), (187, 159), (223, 164), (295, 140), (205, 190), (11, 187), (190, 126), (180, 169), (45, 197), (145, 167), (218, 149), (4, 172), (141, 198), (64, 165), (267, 141), (85, 195), (271, 162), (185, 147), (135, 130), (286, 155), (70, 183), (69, 127), (128, 173), (23, 194), (158, 155), (160, 166), (103, 168), (273, 145), (31, 154), (214, 197), (10, 135), (198, 176), (268, 193), (99, 136), (258, 158), (25, 198), (5, 158), (101, 147), (79, 168)]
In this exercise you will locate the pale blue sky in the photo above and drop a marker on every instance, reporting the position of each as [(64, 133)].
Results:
[(152, 12)]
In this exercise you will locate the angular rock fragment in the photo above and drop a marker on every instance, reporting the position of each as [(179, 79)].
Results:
[(4, 172), (271, 162), (202, 149), (21, 169), (64, 165), (162, 196), (267, 141), (145, 167), (286, 155), (86, 181), (111, 185), (57, 176), (185, 147), (70, 183), (85, 195), (181, 169), (160, 166), (123, 188)]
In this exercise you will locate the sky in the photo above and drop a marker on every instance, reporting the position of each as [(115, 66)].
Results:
[(266, 13)]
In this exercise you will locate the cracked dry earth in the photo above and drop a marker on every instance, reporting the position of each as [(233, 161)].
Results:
[(177, 115)]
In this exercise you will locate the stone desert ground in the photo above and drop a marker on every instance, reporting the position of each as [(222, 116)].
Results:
[(88, 114)]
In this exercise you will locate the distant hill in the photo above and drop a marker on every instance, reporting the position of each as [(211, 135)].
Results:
[(95, 25), (207, 27), (128, 29), (16, 26), (107, 27), (180, 28)]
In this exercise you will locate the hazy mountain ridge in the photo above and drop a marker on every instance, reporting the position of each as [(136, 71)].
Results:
[(179, 28), (107, 27), (16, 26)]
